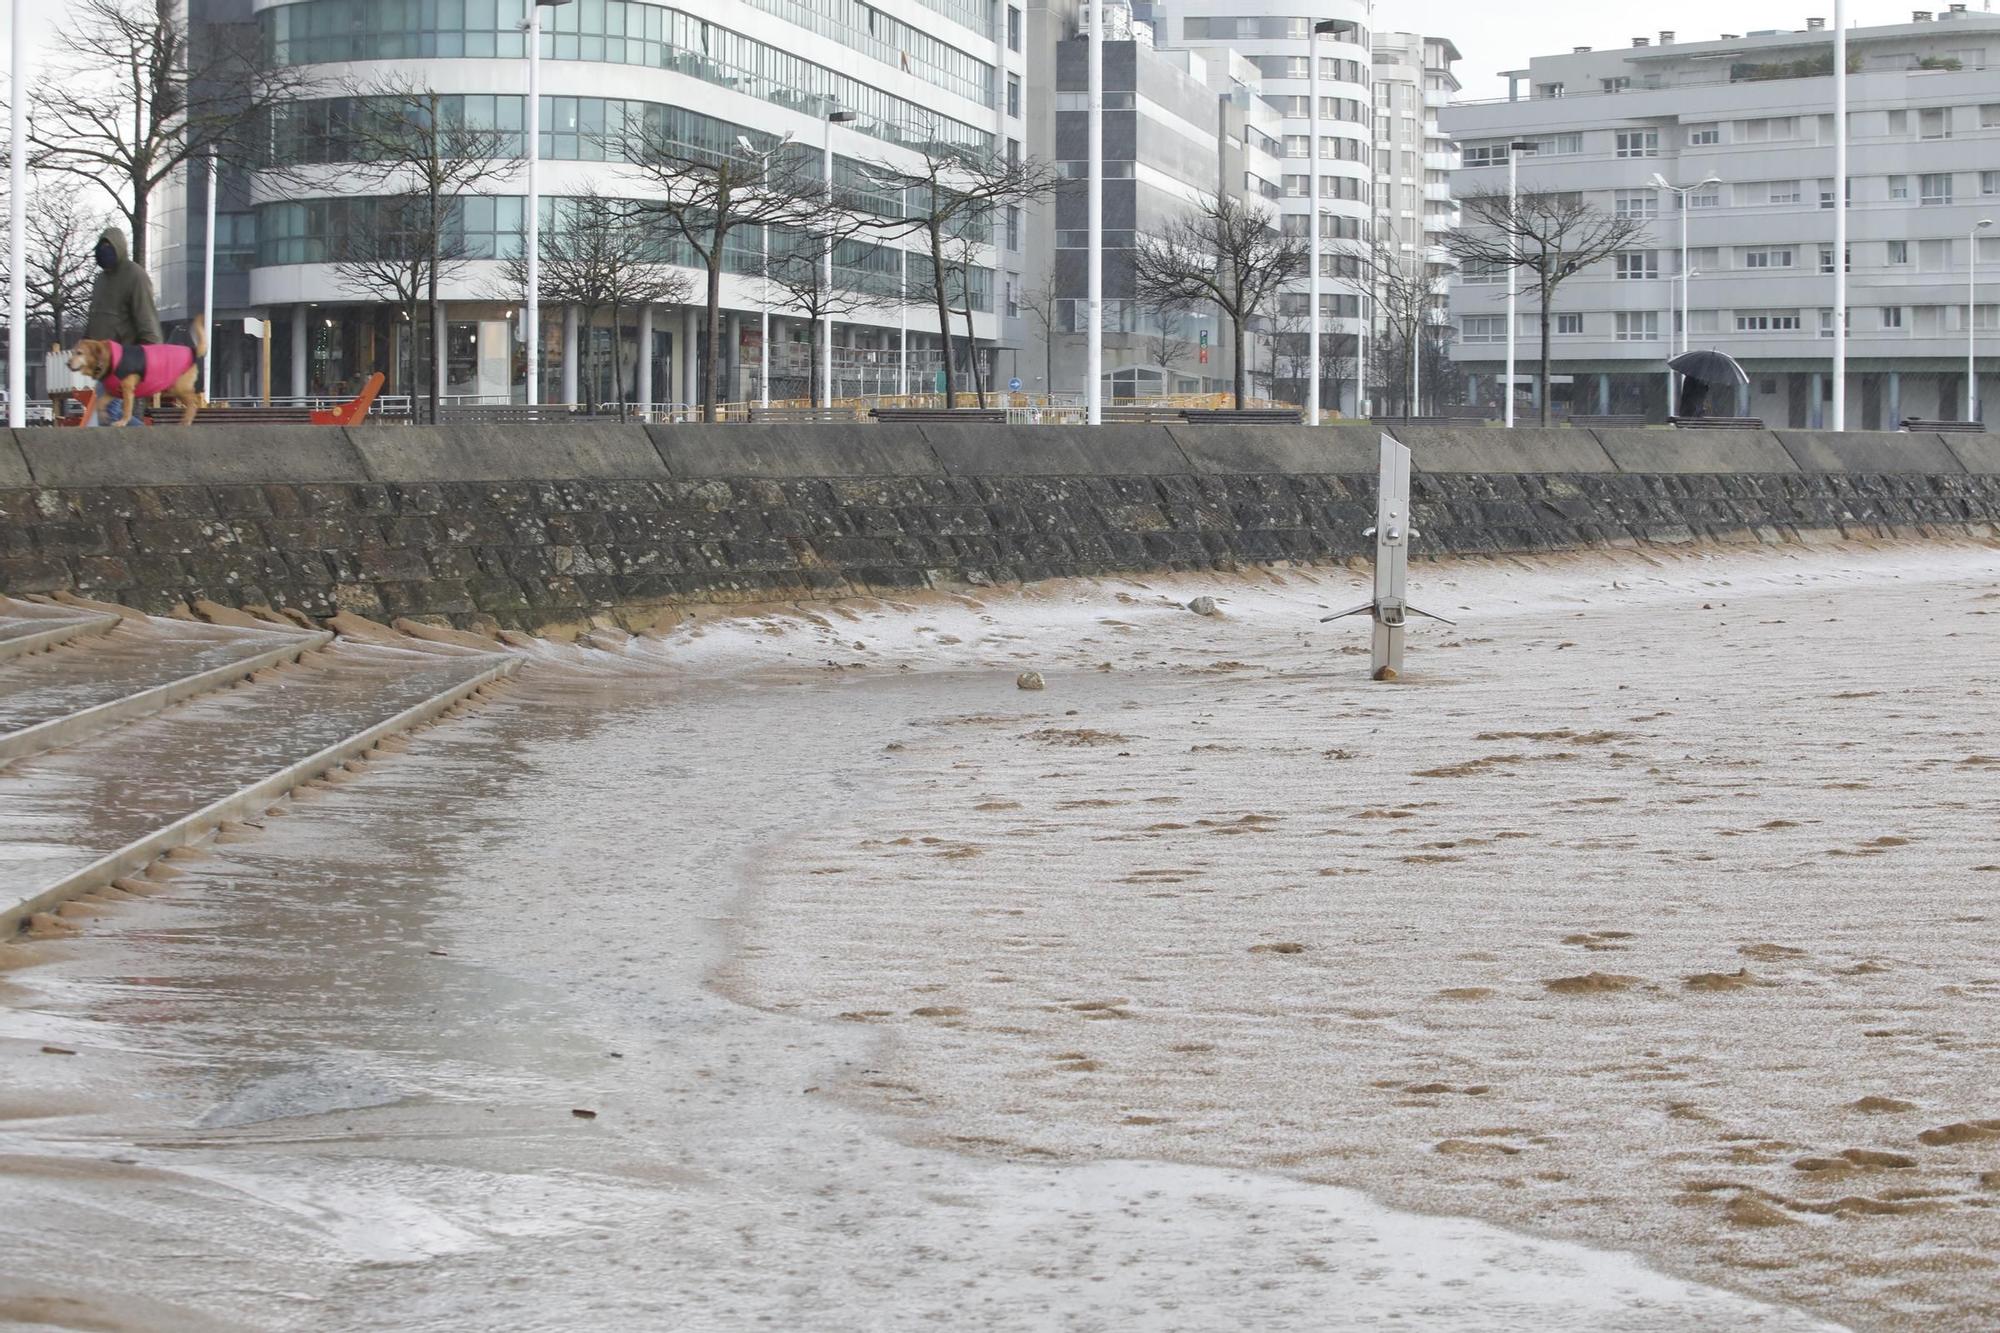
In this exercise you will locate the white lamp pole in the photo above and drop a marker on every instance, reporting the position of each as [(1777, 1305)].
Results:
[(1659, 182), (826, 272), (17, 226), (533, 318), (1312, 221), (902, 323), (1972, 318), (1840, 214), (208, 286), (763, 173), (1093, 368), (1514, 151)]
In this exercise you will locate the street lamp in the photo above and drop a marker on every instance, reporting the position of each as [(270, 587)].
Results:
[(1514, 151), (1972, 317), (1312, 213), (1093, 356), (533, 317), (764, 327), (826, 275), (17, 226), (1839, 215), (1659, 182)]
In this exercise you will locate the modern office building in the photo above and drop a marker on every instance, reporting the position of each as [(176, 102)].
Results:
[(1414, 159), (903, 72), (1755, 111), (1280, 48)]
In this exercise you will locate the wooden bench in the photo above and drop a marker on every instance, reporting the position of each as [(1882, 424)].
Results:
[(1716, 423), (1413, 421), (1944, 427), (515, 413), (1140, 414), (1610, 421), (1244, 416), (799, 415), (986, 415)]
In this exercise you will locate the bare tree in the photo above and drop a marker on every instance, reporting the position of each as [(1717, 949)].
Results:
[(798, 270), (950, 197), (1168, 342), (383, 249), (1292, 345), (61, 264), (1539, 243), (138, 100), (705, 195), (1225, 253), (1409, 306), (1043, 307), (597, 255), (410, 139)]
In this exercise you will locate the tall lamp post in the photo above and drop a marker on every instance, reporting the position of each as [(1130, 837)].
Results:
[(1659, 182), (1312, 214), (1972, 318), (533, 315), (833, 118), (764, 325), (1093, 357), (1514, 151), (17, 220), (1839, 215)]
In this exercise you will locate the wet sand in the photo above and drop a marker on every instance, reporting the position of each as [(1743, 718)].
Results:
[(1211, 986)]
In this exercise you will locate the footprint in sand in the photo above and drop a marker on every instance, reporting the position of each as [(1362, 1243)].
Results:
[(1741, 979), (1965, 1131), (1465, 992), (1599, 940), (1872, 1105), (1287, 946), (1768, 953), (1855, 1159), (1592, 983)]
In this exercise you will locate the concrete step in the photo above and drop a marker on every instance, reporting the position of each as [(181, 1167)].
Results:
[(133, 669), (31, 627), (79, 817)]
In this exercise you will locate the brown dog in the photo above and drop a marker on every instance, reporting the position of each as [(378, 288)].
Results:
[(136, 372)]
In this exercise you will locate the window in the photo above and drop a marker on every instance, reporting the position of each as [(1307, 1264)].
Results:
[(1703, 136), (1892, 317), (1014, 227), (1768, 129), (1826, 322), (1768, 257), (1783, 192), (1638, 204), (1615, 85), (1767, 321), (1933, 256), (1826, 259), (1559, 145), (1638, 264), (1296, 145), (1934, 189), (1934, 123), (1638, 143), (1989, 182), (1548, 90), (1569, 323), (1014, 96), (1482, 272), (1483, 329), (1899, 123), (1899, 187), (1989, 115), (1638, 326), (1013, 28), (1899, 252), (1709, 198)]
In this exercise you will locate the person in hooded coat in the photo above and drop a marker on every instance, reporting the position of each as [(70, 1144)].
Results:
[(121, 303)]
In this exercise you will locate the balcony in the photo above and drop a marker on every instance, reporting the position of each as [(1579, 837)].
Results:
[(1437, 191), (1436, 97), (1440, 161)]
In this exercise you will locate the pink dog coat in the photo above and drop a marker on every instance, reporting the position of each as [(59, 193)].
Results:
[(158, 365)]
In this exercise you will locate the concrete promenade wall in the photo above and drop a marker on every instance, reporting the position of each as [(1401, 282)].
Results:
[(529, 526)]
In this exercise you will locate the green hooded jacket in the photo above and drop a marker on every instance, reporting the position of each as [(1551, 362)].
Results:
[(121, 299)]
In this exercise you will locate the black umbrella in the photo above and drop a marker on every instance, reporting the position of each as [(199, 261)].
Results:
[(1709, 366)]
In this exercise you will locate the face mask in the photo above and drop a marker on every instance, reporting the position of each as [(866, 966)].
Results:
[(107, 258)]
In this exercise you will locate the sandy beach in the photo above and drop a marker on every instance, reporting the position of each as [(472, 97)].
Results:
[(1628, 966)]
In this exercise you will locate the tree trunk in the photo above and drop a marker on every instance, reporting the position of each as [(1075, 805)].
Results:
[(812, 361), (617, 360), (943, 314), (972, 344), (711, 376), (1542, 380), (137, 219), (1238, 341)]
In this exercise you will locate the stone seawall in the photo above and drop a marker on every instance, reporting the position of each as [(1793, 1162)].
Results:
[(528, 526)]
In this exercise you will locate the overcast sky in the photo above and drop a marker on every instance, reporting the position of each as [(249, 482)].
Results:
[(1495, 37)]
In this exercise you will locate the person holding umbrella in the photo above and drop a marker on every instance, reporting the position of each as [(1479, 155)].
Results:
[(1700, 371)]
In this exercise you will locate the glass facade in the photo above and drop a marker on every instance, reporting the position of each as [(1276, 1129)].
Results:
[(611, 31), (872, 32)]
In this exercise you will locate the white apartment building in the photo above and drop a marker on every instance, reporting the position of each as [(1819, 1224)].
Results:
[(1414, 159), (1755, 111), (707, 72), (1281, 48)]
